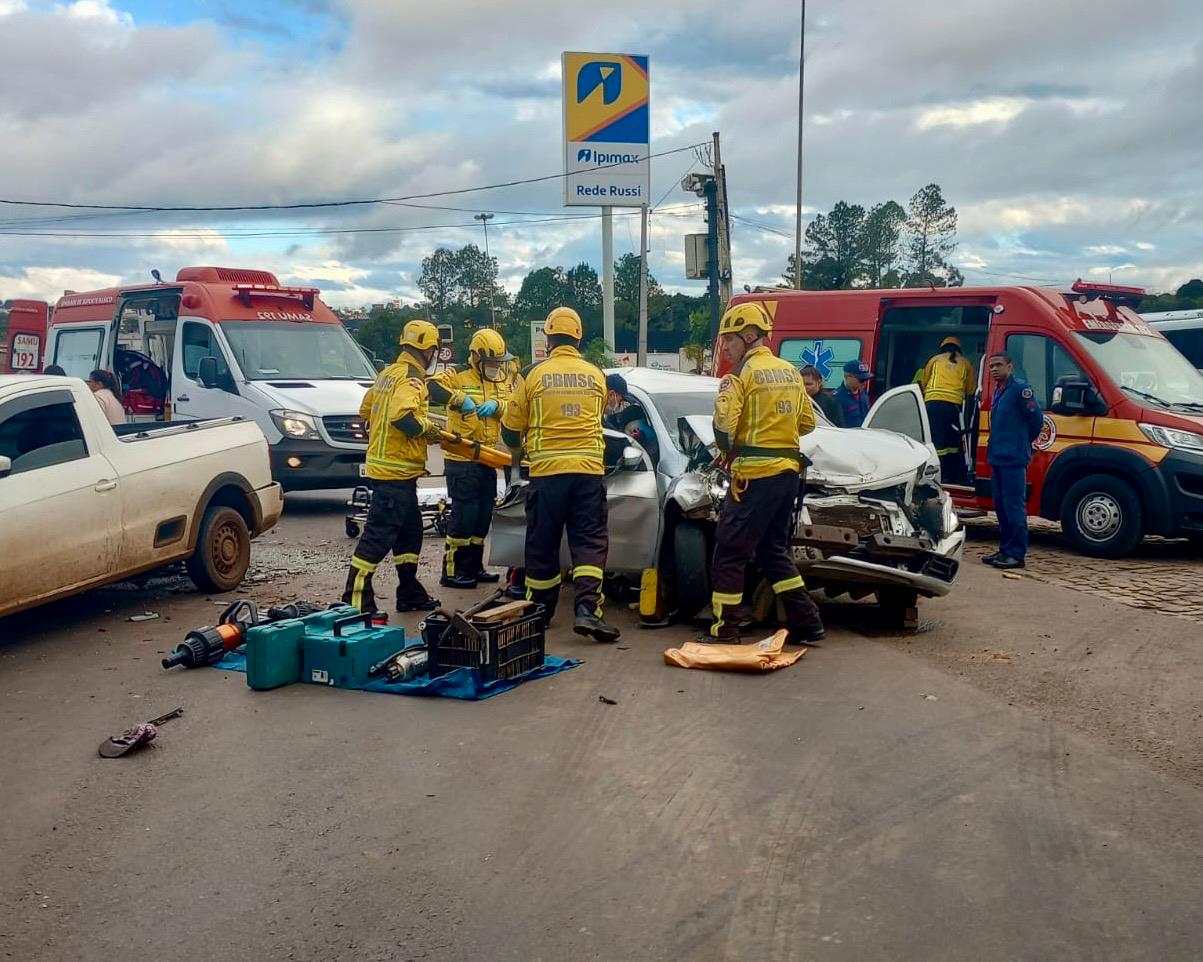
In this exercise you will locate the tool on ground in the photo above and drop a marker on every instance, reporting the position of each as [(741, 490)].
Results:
[(403, 665), (207, 646), (118, 745), (499, 641)]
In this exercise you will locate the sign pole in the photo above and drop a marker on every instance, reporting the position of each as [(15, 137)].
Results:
[(641, 354), (608, 278)]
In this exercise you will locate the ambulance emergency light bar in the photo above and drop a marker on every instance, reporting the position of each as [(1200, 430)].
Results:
[(1117, 294), (306, 295)]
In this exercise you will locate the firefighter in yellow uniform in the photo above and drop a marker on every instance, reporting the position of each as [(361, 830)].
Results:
[(761, 411), (399, 430), (946, 380), (477, 398), (556, 413)]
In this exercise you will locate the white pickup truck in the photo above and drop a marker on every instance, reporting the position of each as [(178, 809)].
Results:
[(83, 503)]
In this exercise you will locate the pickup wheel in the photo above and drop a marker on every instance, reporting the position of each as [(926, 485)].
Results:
[(1101, 516), (691, 568), (223, 551)]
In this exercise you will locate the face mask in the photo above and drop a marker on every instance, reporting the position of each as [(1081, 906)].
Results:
[(491, 372), (434, 360)]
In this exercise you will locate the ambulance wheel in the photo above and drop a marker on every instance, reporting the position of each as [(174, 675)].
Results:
[(691, 570), (1101, 516), (223, 551)]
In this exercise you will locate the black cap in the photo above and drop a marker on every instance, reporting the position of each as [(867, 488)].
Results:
[(616, 383)]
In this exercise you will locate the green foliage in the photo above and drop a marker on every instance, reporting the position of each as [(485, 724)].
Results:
[(594, 351), (888, 246), (1188, 297), (380, 333)]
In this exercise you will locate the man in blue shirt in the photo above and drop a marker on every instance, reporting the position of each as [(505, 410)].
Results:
[(853, 394), (1015, 422)]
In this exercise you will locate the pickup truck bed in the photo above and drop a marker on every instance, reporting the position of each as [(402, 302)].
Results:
[(83, 504)]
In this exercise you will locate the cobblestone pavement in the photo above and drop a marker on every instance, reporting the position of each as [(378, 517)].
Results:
[(1160, 575)]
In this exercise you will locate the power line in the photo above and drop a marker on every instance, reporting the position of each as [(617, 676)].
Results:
[(759, 226), (335, 203), (310, 231)]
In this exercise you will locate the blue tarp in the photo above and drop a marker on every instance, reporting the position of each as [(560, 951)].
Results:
[(463, 683)]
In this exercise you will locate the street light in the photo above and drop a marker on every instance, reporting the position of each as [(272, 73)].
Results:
[(484, 222), (798, 202)]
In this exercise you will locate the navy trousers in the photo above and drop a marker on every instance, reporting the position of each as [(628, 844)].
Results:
[(1008, 483)]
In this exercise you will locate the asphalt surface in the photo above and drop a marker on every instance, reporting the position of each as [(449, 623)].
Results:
[(1019, 779)]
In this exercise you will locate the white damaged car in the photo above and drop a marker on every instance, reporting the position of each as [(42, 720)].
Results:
[(875, 519)]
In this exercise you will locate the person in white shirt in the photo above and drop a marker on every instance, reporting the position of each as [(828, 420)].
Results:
[(105, 390)]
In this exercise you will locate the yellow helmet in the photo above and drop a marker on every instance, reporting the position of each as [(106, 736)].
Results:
[(564, 320), (953, 341), (743, 316), (488, 348), (420, 335)]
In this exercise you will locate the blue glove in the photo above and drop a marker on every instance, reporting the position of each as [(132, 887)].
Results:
[(488, 409), (468, 407)]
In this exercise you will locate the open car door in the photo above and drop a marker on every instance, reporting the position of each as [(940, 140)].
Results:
[(902, 410), (633, 515)]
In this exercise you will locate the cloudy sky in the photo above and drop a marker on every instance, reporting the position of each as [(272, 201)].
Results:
[(1068, 134)]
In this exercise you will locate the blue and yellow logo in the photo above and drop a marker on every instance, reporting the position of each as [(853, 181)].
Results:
[(606, 98)]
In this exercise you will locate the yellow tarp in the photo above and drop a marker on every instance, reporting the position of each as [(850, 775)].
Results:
[(764, 655)]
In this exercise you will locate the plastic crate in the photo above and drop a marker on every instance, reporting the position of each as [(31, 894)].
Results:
[(504, 651)]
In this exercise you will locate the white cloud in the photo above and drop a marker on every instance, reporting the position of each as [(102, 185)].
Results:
[(49, 283), (1145, 246), (97, 10), (992, 111), (1104, 250), (9, 7)]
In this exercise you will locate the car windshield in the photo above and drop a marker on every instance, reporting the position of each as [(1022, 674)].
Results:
[(674, 406), (274, 350), (1148, 368)]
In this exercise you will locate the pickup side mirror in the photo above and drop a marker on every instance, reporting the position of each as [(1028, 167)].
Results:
[(632, 458), (1074, 395), (206, 371), (378, 364), (6, 466)]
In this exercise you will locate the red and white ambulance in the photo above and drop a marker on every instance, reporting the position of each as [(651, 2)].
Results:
[(1121, 454), (225, 342)]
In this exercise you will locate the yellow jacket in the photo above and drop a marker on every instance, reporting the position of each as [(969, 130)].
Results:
[(469, 382), (400, 390), (761, 411), (557, 408), (946, 379)]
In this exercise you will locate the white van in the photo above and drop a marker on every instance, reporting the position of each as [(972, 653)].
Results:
[(224, 342), (1183, 329)]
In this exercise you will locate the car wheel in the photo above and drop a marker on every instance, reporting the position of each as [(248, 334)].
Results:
[(223, 551), (899, 607), (691, 569), (1101, 516)]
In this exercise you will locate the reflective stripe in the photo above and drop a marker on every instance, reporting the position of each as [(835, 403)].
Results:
[(362, 565), (574, 453), (458, 542), (542, 583), (405, 559), (587, 571), (475, 540), (943, 451), (789, 584), (721, 598)]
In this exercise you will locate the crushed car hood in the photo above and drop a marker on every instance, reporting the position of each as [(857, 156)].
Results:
[(853, 460)]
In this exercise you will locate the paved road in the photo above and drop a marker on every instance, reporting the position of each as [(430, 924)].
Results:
[(947, 794)]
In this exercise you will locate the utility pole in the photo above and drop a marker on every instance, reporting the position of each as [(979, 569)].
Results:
[(484, 221), (608, 278), (711, 194), (641, 351), (801, 87), (724, 223)]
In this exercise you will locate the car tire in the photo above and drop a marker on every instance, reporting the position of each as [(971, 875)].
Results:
[(691, 570), (1101, 516), (223, 551)]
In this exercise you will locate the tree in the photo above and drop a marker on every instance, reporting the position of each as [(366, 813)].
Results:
[(931, 228), (439, 281), (475, 276), (381, 332), (698, 338), (881, 243), (541, 290)]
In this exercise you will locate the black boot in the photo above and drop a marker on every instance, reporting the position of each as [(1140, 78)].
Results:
[(590, 624), (477, 561), (411, 593), (359, 592), (459, 581), (802, 618)]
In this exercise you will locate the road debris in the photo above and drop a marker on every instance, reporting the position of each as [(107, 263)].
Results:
[(145, 616), (606, 701)]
